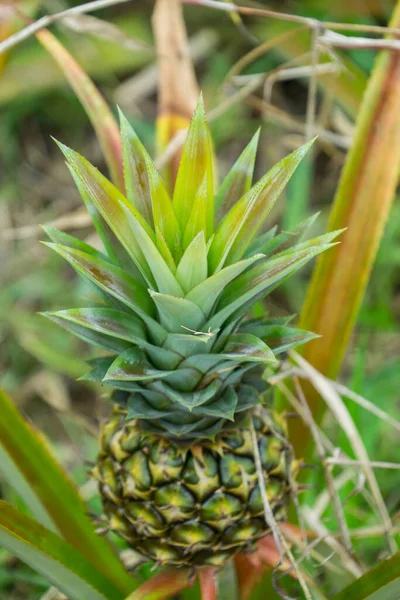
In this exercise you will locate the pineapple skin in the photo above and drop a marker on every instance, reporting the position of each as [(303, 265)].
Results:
[(193, 505)]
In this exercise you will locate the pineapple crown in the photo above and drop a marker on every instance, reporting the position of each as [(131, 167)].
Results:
[(176, 286)]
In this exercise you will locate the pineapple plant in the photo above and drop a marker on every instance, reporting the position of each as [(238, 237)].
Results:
[(192, 451)]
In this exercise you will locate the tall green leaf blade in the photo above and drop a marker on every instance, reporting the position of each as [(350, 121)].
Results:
[(112, 246), (238, 181), (107, 321), (135, 170), (65, 567), (178, 313), (206, 293), (65, 239), (164, 215), (165, 252), (133, 366), (380, 583), (146, 190), (247, 347), (111, 204), (263, 278), (279, 338), (240, 225), (164, 278), (197, 221), (92, 337), (196, 164), (193, 267), (111, 279), (27, 464), (98, 111)]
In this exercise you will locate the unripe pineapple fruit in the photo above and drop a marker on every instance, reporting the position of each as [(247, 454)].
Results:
[(193, 504), (190, 445)]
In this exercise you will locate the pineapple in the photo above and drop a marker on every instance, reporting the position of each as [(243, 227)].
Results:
[(177, 467)]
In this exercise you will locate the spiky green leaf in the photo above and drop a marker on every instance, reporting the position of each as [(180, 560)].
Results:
[(280, 338), (206, 293), (165, 252), (53, 558), (166, 283), (164, 215), (248, 347), (193, 266), (176, 314), (197, 221), (238, 180), (196, 164), (88, 335), (65, 239), (113, 206), (224, 407), (114, 249), (111, 279), (262, 278), (133, 366), (240, 225), (135, 170), (190, 399)]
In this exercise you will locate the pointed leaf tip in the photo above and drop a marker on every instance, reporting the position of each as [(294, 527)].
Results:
[(239, 179), (195, 166), (237, 229)]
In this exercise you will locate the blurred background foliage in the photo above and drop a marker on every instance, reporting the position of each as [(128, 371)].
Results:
[(39, 362)]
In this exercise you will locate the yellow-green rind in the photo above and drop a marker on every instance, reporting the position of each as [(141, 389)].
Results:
[(192, 505)]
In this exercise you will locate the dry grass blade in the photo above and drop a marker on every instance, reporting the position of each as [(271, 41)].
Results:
[(47, 20), (290, 371), (331, 39), (74, 220), (370, 532), (361, 401), (313, 521), (268, 514), (324, 498), (339, 410), (279, 539), (255, 53), (134, 89), (337, 506), (375, 464), (105, 30), (99, 113), (312, 87), (178, 91), (309, 22)]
